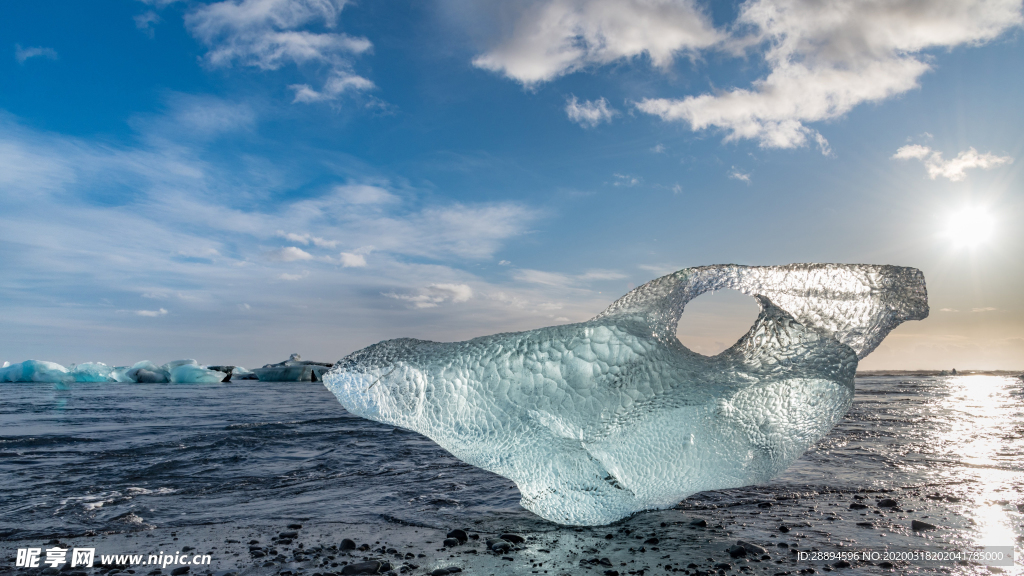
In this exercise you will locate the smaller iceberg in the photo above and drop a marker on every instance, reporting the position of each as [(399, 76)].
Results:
[(294, 369), (34, 371), (145, 372), (91, 372), (193, 373)]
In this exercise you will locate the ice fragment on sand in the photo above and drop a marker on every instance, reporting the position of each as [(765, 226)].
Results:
[(598, 420)]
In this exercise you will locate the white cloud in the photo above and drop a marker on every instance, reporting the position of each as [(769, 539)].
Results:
[(625, 180), (589, 113), (268, 34), (146, 22), (436, 294), (151, 313), (658, 149), (565, 280), (23, 54), (288, 254), (350, 260), (293, 277), (736, 174), (954, 169), (307, 239), (985, 309), (948, 310), (365, 194), (555, 37), (826, 57)]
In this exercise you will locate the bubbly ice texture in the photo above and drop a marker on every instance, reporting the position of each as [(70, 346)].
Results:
[(598, 420)]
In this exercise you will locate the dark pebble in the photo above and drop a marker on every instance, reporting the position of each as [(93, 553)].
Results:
[(887, 565), (294, 526), (737, 551), (439, 572), (699, 523), (459, 535), (513, 538), (723, 566), (179, 570), (611, 573), (887, 503), (371, 567), (608, 536), (604, 562), (288, 535), (347, 544), (917, 526), (866, 524), (501, 546), (858, 506), (651, 541), (450, 542), (752, 548), (783, 528), (841, 564)]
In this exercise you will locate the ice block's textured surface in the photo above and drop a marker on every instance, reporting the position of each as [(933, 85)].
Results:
[(598, 420)]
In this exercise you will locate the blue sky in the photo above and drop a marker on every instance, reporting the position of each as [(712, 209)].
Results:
[(234, 181)]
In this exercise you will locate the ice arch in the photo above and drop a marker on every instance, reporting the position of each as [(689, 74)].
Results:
[(598, 420)]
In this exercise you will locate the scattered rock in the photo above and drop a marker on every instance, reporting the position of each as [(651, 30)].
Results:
[(347, 544), (858, 506), (288, 535), (652, 541), (841, 564), (371, 567), (737, 551), (918, 526), (513, 538), (179, 570), (459, 535), (451, 542), (887, 503), (699, 523), (294, 526), (783, 528), (751, 548)]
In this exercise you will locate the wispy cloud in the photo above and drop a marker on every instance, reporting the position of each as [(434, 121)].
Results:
[(589, 113), (288, 254), (954, 169), (23, 54), (566, 280), (269, 34), (146, 22), (736, 174), (151, 313), (556, 37), (350, 260), (625, 180), (435, 294), (985, 309), (825, 58)]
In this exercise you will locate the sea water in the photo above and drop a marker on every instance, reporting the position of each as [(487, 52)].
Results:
[(109, 457)]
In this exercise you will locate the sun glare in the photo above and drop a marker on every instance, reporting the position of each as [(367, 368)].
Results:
[(969, 227)]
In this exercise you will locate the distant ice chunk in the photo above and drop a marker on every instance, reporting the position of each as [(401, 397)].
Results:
[(146, 372), (91, 372), (191, 373), (34, 371), (598, 420)]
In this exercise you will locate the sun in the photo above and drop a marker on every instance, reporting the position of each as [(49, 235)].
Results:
[(969, 227)]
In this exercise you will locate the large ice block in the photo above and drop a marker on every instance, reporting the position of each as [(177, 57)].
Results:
[(34, 371), (598, 420)]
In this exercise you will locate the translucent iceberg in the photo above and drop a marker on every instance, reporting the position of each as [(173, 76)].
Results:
[(146, 372), (34, 371), (598, 420), (192, 373), (91, 372)]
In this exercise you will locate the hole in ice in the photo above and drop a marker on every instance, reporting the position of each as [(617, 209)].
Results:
[(714, 321)]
